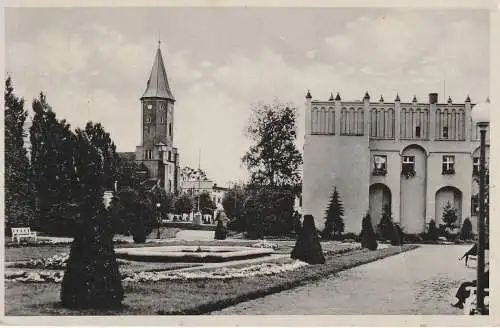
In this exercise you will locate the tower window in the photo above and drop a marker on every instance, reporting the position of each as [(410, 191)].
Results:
[(448, 164), (417, 132), (170, 129), (169, 156), (149, 154), (148, 119), (445, 132), (148, 128), (150, 106), (161, 119)]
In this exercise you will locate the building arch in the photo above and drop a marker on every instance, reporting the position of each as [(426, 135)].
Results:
[(402, 152), (380, 195), (454, 196)]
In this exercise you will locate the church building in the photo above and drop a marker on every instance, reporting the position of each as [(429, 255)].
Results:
[(157, 151), (414, 156)]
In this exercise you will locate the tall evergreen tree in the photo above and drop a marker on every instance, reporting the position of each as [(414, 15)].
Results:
[(107, 149), (18, 195), (334, 224), (52, 168)]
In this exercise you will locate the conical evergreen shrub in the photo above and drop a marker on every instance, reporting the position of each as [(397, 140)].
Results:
[(386, 226), (367, 236), (220, 230), (91, 278), (307, 247)]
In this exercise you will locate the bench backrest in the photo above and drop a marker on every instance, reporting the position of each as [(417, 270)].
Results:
[(21, 231)]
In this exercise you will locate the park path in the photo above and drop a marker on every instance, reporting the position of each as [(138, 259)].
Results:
[(421, 281)]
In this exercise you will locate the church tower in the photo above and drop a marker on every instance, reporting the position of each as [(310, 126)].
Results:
[(157, 149)]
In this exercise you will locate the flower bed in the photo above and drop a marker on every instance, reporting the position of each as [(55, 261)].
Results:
[(266, 244), (56, 262), (263, 269)]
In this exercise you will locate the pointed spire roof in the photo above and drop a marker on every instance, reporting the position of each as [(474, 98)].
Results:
[(308, 94), (449, 100), (157, 86), (367, 96), (414, 98), (381, 99), (337, 97), (331, 96), (397, 97), (467, 99)]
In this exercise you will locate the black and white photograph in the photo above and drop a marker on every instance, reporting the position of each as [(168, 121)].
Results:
[(220, 159)]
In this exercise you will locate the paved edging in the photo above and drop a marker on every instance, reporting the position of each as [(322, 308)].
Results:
[(223, 303)]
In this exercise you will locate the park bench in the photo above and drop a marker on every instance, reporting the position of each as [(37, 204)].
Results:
[(25, 232), (471, 301)]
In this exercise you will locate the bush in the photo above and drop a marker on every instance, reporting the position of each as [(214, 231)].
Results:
[(132, 214), (307, 247), (397, 235), (269, 212), (367, 235), (351, 236), (466, 232), (433, 232)]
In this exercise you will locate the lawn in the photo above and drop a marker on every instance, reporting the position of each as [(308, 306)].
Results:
[(189, 297)]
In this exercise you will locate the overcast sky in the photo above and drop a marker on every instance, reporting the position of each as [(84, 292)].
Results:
[(93, 64)]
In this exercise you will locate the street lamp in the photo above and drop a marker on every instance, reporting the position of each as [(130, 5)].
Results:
[(481, 116), (158, 220)]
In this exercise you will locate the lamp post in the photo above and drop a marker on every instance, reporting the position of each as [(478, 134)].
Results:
[(158, 220), (480, 115)]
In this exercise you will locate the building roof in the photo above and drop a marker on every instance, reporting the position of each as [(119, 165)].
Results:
[(157, 86)]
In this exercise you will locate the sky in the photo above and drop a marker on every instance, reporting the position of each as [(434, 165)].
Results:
[(93, 64)]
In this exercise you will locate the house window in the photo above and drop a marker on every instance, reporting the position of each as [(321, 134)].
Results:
[(448, 164), (379, 165), (445, 132), (474, 205), (417, 132), (475, 166), (408, 166)]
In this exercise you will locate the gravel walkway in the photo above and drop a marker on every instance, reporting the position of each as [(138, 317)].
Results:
[(422, 281)]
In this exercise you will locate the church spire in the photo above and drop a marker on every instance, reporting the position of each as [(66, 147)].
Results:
[(157, 86)]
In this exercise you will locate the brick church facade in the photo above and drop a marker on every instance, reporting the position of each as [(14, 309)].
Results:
[(157, 151)]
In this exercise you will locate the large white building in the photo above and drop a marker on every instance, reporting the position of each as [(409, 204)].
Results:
[(414, 156)]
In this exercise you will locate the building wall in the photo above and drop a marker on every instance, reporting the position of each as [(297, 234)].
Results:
[(340, 146), (326, 163)]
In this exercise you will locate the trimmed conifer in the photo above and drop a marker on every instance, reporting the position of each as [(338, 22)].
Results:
[(386, 225), (334, 223), (220, 230), (466, 232), (307, 247), (367, 235), (91, 278)]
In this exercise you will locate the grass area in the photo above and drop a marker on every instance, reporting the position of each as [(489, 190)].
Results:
[(188, 297)]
